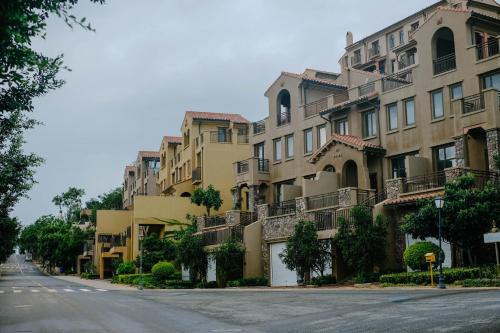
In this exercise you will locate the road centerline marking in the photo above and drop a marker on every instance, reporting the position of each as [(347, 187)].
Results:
[(69, 290)]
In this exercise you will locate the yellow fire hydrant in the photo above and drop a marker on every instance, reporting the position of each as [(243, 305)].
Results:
[(431, 259)]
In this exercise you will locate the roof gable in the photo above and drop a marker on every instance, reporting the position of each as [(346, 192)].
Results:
[(347, 140)]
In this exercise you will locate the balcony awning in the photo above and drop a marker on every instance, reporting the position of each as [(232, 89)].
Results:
[(348, 104)]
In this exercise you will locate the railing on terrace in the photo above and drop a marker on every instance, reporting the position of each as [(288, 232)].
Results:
[(487, 49), (374, 199), (196, 175), (242, 138), (284, 118), (215, 221), (259, 127), (316, 107), (263, 165), (425, 182), (355, 60), (282, 208), (362, 195), (247, 218), (366, 88), (397, 80), (483, 177), (221, 136), (325, 220), (322, 201), (213, 237), (242, 167), (444, 63), (473, 103)]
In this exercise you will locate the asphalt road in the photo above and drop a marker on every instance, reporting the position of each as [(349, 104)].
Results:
[(32, 302)]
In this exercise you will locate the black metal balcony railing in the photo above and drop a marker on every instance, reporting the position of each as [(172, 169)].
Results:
[(444, 64), (316, 107), (259, 127), (221, 136), (374, 199), (325, 220), (473, 103), (362, 195), (242, 138), (397, 80), (483, 177), (215, 221), (425, 182), (356, 59), (322, 201), (247, 218), (196, 175), (213, 237), (366, 88), (284, 118), (373, 52), (282, 208), (487, 49), (263, 165)]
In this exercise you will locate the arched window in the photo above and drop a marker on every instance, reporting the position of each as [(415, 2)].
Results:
[(443, 51), (284, 106), (350, 174), (329, 168)]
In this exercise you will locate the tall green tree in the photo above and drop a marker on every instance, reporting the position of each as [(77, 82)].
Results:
[(361, 242), (468, 213), (304, 252), (209, 198), (155, 249), (191, 253), (71, 201), (229, 260), (25, 74)]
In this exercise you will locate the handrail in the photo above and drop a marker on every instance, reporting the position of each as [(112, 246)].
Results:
[(322, 201), (259, 126), (444, 63), (282, 208), (487, 49), (215, 220), (397, 80), (313, 108), (473, 103), (366, 88), (284, 117)]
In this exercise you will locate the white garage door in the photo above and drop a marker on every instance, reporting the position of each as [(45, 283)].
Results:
[(280, 275), (211, 269)]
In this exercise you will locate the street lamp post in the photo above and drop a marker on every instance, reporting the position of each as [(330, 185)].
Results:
[(439, 202), (141, 237)]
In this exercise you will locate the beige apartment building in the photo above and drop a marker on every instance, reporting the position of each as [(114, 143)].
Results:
[(415, 105)]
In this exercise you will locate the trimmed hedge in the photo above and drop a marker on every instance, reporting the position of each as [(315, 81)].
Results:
[(150, 282), (129, 278), (163, 270), (248, 282), (422, 278), (126, 267), (481, 283), (414, 255)]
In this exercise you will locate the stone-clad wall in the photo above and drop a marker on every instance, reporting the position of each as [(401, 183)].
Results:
[(493, 144), (460, 151)]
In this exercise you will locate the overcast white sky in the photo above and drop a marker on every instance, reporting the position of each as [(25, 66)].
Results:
[(149, 61)]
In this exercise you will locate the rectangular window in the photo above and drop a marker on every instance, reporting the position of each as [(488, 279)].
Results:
[(369, 124), (289, 146), (491, 81), (398, 167), (222, 134), (308, 141), (342, 127), (393, 65), (277, 149), (409, 112), (437, 104), (401, 37), (456, 91), (391, 41), (392, 117), (321, 135), (258, 150), (445, 157)]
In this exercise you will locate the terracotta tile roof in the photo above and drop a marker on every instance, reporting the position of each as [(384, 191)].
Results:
[(349, 140), (149, 153), (232, 117), (411, 198), (304, 76), (172, 139)]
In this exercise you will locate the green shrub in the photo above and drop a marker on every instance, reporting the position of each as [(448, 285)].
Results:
[(248, 282), (126, 267), (422, 278), (323, 280), (129, 278), (163, 270), (414, 255), (481, 283), (89, 276)]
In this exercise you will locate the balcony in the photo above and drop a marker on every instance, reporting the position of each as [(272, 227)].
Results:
[(322, 201), (330, 219), (282, 208), (213, 237), (487, 49), (473, 103), (252, 171), (366, 88), (196, 175), (397, 80), (259, 127), (316, 107), (284, 118), (356, 59), (215, 221), (444, 64)]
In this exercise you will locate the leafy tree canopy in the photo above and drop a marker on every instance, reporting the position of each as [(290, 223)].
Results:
[(71, 201), (112, 200), (209, 198), (191, 253)]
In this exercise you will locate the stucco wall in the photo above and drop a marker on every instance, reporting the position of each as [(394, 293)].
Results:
[(252, 238)]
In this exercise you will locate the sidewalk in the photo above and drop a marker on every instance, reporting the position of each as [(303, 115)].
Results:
[(98, 284)]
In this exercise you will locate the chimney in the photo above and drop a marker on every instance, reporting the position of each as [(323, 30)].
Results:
[(348, 39)]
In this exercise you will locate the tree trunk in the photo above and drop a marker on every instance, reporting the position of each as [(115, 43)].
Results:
[(469, 256), (307, 276)]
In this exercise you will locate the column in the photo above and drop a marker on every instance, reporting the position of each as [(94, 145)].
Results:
[(460, 151), (493, 145)]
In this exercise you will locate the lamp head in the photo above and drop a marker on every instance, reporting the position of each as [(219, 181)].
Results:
[(439, 202)]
